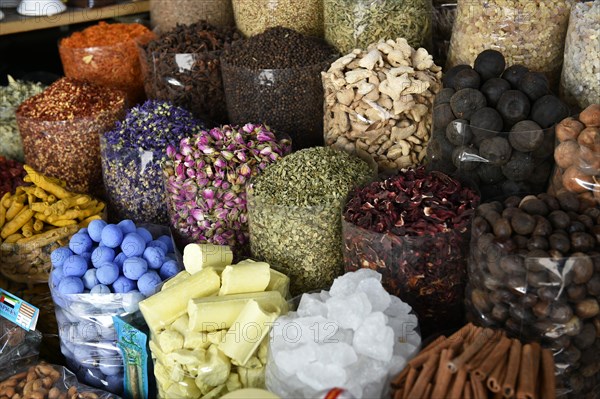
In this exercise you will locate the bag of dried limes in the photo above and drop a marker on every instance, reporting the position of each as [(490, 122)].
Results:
[(295, 214), (206, 177)]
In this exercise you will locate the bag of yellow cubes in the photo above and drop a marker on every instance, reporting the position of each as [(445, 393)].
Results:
[(210, 324)]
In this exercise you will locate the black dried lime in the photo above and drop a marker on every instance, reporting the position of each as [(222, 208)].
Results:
[(489, 64), (490, 174), (513, 74), (467, 78), (493, 89), (526, 136), (458, 132), (514, 107), (443, 97), (549, 110), (496, 150), (466, 102), (485, 123), (442, 116), (519, 167), (448, 78), (534, 85), (465, 158)]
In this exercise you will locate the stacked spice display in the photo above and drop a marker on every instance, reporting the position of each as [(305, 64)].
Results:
[(274, 78), (166, 14), (11, 96), (378, 103), (61, 126), (106, 54), (351, 24), (580, 80), (132, 154), (478, 363), (255, 16), (206, 178), (533, 271), (531, 33), (294, 212), (495, 126), (414, 229), (182, 66), (11, 175), (577, 155)]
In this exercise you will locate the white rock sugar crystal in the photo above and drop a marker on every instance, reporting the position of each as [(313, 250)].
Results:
[(349, 311), (355, 336)]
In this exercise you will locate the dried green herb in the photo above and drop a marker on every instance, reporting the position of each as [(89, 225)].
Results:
[(351, 24), (294, 214)]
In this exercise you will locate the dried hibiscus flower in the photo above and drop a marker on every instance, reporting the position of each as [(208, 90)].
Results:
[(413, 228)]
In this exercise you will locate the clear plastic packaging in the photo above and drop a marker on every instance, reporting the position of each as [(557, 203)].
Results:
[(55, 381), (429, 273), (116, 66), (288, 100), (490, 160), (541, 292), (127, 171), (254, 16), (577, 156), (18, 348), (580, 80), (377, 110), (189, 80), (166, 14), (351, 24), (444, 14), (531, 33), (304, 243), (68, 149), (29, 263)]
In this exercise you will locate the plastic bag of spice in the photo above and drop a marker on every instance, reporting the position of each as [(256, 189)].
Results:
[(580, 82), (533, 271), (531, 33), (60, 129), (254, 16), (182, 66), (444, 14), (351, 24), (378, 111), (413, 228), (132, 155), (49, 381), (274, 78), (577, 156), (18, 348), (106, 54), (166, 14)]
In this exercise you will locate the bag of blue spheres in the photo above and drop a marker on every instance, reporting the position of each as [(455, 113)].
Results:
[(113, 258)]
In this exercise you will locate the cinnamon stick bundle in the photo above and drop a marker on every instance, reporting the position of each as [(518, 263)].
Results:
[(478, 363)]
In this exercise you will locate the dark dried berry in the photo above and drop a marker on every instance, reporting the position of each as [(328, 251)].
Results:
[(568, 201), (535, 85), (559, 219), (514, 107), (523, 223), (466, 102), (534, 206), (489, 64), (514, 73), (582, 242)]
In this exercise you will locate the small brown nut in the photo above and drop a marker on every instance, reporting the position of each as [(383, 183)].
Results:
[(590, 138), (37, 384), (591, 116), (575, 181), (587, 308), (568, 129), (28, 388), (54, 393), (31, 375), (44, 369), (566, 153), (47, 382), (72, 391), (88, 395), (37, 395)]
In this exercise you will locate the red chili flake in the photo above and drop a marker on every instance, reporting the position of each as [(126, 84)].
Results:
[(413, 228)]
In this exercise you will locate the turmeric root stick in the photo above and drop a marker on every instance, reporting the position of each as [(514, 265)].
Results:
[(47, 183), (16, 223)]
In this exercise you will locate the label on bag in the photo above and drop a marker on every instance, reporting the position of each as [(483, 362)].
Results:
[(13, 308)]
